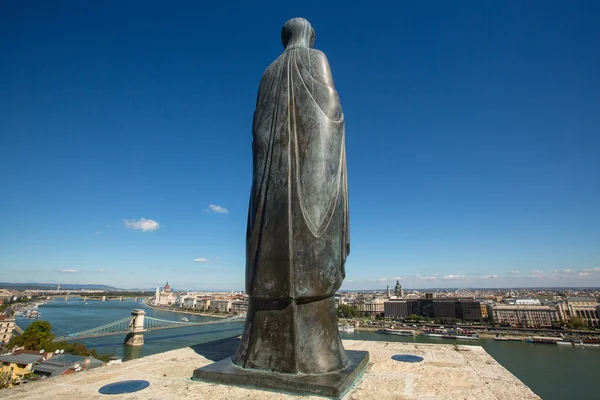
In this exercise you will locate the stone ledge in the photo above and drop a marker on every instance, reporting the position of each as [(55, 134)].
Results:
[(448, 372)]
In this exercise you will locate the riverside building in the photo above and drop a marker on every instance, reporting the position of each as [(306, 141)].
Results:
[(7, 325), (466, 309), (165, 297), (584, 307), (524, 315)]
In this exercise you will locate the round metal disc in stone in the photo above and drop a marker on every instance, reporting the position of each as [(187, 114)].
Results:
[(407, 358), (124, 387)]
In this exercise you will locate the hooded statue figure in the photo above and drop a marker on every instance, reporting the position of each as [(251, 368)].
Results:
[(298, 235)]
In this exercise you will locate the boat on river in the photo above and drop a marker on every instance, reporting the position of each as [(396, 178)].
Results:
[(543, 339), (399, 332), (185, 319), (346, 328), (457, 333)]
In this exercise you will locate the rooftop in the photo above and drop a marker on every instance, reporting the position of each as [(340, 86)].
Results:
[(448, 372), (582, 300), (21, 358)]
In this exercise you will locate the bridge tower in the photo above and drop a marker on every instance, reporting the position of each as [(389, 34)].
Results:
[(135, 337), (103, 298)]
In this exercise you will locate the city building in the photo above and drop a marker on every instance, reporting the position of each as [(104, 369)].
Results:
[(203, 303), (484, 309), (527, 302), (524, 315), (222, 306), (18, 366), (239, 306), (187, 301), (395, 308), (584, 307), (441, 308), (7, 325), (373, 307), (63, 364), (471, 310), (165, 297)]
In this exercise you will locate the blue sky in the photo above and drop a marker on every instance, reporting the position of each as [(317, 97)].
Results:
[(473, 139)]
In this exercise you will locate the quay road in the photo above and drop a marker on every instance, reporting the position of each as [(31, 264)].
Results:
[(484, 331)]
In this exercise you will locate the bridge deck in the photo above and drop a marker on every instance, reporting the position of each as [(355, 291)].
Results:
[(123, 326)]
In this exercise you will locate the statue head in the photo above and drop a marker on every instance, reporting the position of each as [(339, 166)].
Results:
[(297, 32)]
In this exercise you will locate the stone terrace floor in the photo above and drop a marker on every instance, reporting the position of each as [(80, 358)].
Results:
[(448, 372)]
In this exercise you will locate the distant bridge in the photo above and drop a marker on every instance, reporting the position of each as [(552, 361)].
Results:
[(464, 292), (136, 325)]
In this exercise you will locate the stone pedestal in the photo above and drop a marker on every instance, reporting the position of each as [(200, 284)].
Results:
[(136, 336), (134, 339), (333, 384)]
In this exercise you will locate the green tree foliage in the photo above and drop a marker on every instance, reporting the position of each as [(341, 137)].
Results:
[(39, 336), (415, 318), (4, 380), (35, 336), (349, 311), (576, 322)]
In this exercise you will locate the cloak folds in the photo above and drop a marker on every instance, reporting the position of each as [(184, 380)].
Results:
[(298, 234)]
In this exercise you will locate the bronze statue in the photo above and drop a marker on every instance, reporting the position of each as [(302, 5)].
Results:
[(298, 231), (297, 238)]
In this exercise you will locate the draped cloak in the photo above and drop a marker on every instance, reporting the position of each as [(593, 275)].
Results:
[(298, 229)]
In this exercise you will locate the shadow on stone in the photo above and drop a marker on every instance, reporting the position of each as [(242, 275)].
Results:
[(218, 349)]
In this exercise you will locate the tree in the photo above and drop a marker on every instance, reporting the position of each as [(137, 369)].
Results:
[(348, 311), (576, 322), (4, 380), (39, 336), (35, 336)]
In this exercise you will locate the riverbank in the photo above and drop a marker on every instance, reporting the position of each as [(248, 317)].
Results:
[(179, 311)]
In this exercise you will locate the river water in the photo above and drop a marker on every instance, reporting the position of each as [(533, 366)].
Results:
[(553, 372)]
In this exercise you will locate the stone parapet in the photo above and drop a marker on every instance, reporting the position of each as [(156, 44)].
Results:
[(447, 372)]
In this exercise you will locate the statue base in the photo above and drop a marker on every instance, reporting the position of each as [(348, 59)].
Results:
[(333, 384)]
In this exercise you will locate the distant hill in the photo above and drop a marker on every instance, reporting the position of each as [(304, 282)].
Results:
[(46, 286)]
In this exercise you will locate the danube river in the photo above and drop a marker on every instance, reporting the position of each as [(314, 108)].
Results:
[(553, 372)]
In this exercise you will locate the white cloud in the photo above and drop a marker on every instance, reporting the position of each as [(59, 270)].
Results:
[(100, 270), (453, 277), (588, 272), (146, 225), (537, 273), (428, 278), (490, 276), (592, 270), (514, 272), (68, 271), (202, 260), (217, 209), (563, 272), (382, 279)]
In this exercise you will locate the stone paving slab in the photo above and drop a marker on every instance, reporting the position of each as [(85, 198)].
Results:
[(448, 372)]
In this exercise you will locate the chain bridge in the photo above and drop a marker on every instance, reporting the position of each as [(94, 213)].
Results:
[(136, 325)]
